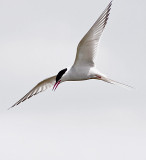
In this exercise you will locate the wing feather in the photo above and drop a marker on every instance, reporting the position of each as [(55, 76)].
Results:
[(40, 87), (86, 50)]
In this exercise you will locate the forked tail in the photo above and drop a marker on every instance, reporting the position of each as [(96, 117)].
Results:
[(115, 82)]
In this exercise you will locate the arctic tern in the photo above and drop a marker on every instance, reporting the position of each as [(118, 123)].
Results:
[(84, 67)]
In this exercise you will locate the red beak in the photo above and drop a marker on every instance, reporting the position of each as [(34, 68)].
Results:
[(56, 85)]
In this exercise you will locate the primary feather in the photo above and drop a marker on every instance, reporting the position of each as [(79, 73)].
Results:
[(40, 87), (86, 49)]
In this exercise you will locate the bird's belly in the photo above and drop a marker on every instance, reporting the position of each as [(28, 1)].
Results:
[(78, 77), (79, 74)]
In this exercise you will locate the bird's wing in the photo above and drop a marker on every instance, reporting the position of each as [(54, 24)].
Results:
[(42, 86), (86, 49)]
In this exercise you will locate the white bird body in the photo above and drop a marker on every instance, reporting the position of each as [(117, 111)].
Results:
[(75, 73), (84, 67)]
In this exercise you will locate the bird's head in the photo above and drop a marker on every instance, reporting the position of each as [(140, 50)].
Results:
[(58, 78)]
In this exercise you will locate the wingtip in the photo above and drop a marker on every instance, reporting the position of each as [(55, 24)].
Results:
[(110, 3), (109, 6), (10, 107)]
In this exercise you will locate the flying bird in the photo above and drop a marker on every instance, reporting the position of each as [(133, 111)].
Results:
[(84, 67)]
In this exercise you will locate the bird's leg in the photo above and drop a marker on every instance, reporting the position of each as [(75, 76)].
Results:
[(98, 77), (103, 78)]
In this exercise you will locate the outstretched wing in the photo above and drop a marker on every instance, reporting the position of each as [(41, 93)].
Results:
[(42, 86), (86, 49)]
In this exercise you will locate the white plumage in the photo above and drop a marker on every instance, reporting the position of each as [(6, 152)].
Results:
[(84, 67)]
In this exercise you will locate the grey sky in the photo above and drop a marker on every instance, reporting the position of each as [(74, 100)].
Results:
[(81, 120)]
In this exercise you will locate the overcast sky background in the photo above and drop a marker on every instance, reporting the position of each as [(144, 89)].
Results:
[(81, 120)]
